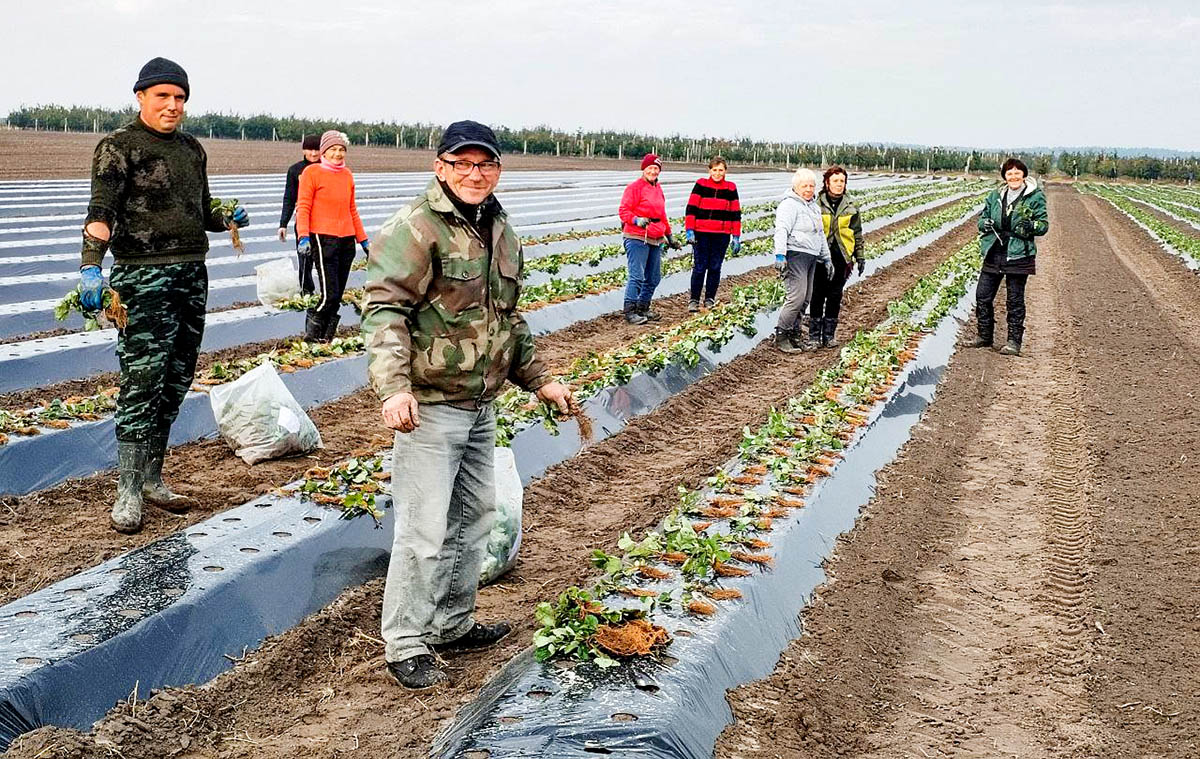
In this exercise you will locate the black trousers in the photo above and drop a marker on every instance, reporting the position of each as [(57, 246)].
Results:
[(333, 257), (707, 256), (826, 300), (985, 296)]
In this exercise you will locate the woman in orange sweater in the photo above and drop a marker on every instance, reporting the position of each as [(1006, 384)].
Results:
[(327, 226)]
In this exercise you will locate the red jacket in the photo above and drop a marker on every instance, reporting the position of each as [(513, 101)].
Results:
[(714, 208), (644, 199), (325, 204)]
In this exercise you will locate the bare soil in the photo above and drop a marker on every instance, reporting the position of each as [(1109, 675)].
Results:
[(1024, 583), (321, 689), (68, 155)]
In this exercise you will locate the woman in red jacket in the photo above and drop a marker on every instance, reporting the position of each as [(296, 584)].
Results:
[(645, 227), (714, 224), (327, 226)]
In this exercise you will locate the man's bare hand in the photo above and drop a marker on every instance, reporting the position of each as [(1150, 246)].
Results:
[(557, 394), (283, 234), (400, 412)]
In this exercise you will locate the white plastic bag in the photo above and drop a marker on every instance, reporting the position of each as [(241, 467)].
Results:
[(505, 538), (259, 419), (277, 280)]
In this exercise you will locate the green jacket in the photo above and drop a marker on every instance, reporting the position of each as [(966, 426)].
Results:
[(440, 319), (845, 234), (1028, 220)]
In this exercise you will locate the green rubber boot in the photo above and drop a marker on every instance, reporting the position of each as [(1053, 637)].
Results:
[(127, 509), (154, 491)]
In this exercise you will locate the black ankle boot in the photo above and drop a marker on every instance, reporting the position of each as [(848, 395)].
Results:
[(314, 327), (633, 314)]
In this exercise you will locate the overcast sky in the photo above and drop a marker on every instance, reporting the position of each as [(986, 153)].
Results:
[(999, 73)]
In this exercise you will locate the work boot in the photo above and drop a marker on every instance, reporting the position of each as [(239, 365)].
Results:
[(830, 339), (709, 303), (693, 306), (331, 327), (1011, 348), (816, 334), (479, 636), (154, 490), (314, 327), (784, 341), (644, 308), (127, 509), (632, 314), (981, 342), (418, 673)]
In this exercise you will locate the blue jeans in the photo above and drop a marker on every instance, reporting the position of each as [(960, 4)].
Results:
[(644, 263), (707, 256), (444, 500)]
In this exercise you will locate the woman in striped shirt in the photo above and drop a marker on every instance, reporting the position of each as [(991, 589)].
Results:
[(713, 224)]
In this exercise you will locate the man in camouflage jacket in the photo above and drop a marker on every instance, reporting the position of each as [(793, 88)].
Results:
[(443, 336), (150, 204)]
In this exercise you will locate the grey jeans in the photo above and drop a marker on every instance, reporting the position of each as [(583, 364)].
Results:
[(444, 500), (798, 278)]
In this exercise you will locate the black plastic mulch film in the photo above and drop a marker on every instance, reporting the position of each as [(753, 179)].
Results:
[(676, 707)]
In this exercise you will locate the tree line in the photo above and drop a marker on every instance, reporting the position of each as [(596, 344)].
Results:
[(544, 140)]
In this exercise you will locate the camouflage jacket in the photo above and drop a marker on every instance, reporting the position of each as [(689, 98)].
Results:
[(151, 189), (440, 319)]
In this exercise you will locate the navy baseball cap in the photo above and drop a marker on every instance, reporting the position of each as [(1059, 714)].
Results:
[(462, 134)]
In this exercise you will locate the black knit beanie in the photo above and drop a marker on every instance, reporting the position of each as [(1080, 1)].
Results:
[(162, 71), (311, 142)]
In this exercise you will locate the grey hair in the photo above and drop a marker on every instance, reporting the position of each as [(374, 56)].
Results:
[(803, 175)]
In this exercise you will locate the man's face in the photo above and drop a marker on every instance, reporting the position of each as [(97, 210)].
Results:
[(312, 156), (473, 187), (161, 106)]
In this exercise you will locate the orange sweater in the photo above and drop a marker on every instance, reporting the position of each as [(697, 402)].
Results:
[(325, 204)]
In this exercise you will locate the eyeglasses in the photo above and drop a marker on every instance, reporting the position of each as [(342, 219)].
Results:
[(464, 167)]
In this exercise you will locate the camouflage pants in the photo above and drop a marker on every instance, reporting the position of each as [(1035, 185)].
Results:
[(158, 348)]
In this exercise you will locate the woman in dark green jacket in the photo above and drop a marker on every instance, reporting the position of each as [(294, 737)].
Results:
[(843, 231), (1012, 217)]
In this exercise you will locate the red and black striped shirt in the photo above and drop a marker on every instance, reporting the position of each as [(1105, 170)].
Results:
[(714, 208)]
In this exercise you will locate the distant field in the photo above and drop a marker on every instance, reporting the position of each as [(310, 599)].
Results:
[(68, 155)]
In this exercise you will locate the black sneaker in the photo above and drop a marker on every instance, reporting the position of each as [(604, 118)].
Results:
[(479, 636), (709, 303), (693, 306), (418, 673), (981, 342)]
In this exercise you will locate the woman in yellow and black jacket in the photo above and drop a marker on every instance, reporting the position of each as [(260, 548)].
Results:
[(843, 229)]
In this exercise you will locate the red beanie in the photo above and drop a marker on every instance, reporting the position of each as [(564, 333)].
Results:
[(651, 160)]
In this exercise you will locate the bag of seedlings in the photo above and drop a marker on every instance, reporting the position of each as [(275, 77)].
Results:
[(277, 280), (259, 419), (505, 538)]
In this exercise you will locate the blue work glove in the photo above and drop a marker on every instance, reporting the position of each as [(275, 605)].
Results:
[(735, 243), (304, 246), (91, 290), (691, 236), (641, 221), (780, 262), (239, 217), (366, 246)]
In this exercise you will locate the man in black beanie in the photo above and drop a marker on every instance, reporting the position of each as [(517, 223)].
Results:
[(150, 204), (311, 147)]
